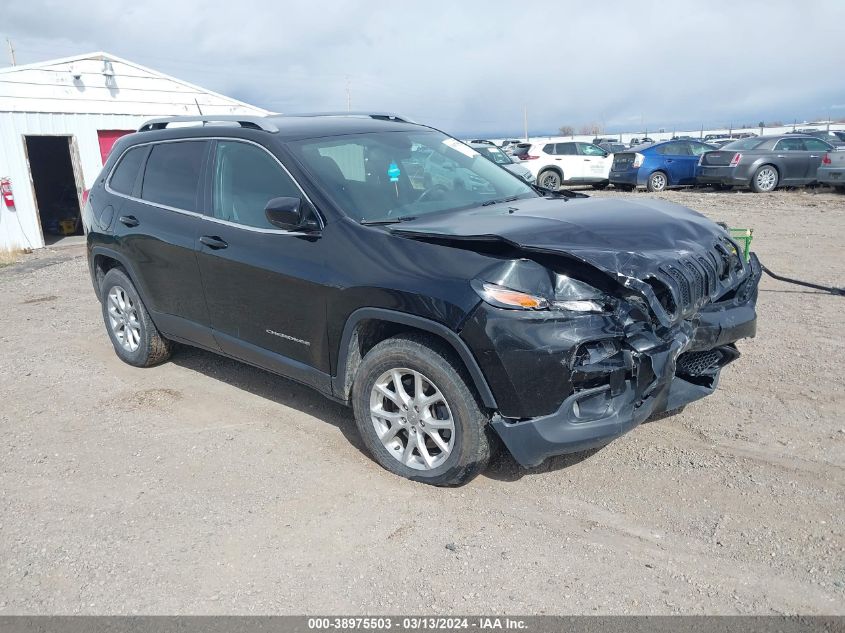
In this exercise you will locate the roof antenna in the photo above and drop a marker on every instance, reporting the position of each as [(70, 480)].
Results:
[(199, 108)]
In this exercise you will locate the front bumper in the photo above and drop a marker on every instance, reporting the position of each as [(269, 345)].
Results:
[(648, 375), (721, 175)]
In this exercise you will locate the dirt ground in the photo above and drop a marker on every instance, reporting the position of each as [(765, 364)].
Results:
[(206, 486)]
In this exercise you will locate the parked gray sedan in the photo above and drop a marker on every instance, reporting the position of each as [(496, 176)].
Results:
[(763, 163)]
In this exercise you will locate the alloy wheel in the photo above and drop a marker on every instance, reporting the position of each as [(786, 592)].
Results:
[(766, 179), (551, 182), (412, 419), (123, 319), (658, 182)]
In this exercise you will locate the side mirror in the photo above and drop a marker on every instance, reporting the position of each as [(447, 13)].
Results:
[(284, 213)]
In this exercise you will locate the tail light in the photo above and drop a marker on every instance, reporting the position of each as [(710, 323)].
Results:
[(735, 160), (85, 196), (528, 157), (826, 160), (638, 160)]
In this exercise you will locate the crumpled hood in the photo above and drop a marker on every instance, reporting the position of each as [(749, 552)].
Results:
[(617, 235), (633, 242)]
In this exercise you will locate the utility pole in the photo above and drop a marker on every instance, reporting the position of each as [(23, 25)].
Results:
[(11, 52), (525, 121), (348, 95)]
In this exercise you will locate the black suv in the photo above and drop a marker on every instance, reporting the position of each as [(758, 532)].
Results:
[(395, 269)]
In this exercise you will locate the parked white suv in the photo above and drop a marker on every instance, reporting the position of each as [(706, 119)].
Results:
[(570, 162)]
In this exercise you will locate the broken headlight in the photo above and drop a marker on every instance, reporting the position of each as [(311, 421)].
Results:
[(569, 294), (577, 296)]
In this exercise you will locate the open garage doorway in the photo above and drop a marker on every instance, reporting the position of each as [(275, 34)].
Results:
[(53, 170)]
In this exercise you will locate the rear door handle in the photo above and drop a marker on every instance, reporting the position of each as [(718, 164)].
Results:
[(213, 242), (814, 155), (129, 220)]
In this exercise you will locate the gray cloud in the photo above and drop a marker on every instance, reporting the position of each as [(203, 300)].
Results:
[(471, 67)]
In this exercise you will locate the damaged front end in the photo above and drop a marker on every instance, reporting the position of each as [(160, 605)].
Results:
[(567, 381), (574, 371), (597, 315)]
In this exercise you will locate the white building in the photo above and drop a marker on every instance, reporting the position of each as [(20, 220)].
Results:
[(58, 121)]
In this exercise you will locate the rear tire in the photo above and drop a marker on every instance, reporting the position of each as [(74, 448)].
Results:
[(549, 179), (600, 185), (398, 426), (765, 179), (133, 334), (657, 181)]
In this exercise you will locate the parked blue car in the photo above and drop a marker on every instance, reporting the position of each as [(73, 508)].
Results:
[(657, 166)]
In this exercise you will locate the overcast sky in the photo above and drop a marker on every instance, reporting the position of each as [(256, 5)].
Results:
[(469, 67)]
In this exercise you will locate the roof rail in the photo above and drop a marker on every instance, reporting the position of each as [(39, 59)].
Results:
[(251, 122), (382, 116)]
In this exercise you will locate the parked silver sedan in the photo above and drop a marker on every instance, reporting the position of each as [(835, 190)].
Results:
[(503, 160)]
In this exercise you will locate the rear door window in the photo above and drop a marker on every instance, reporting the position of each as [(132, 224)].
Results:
[(566, 149), (126, 173), (172, 175), (816, 145)]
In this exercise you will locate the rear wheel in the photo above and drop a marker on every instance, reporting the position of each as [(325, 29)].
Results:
[(417, 414), (133, 334), (657, 181), (765, 179), (549, 179)]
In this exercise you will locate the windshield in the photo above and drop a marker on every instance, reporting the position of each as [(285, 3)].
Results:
[(745, 143), (496, 155), (389, 176)]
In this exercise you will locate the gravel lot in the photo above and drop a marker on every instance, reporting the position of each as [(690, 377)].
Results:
[(207, 486)]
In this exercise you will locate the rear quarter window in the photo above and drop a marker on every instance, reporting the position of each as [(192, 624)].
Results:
[(126, 173), (173, 173)]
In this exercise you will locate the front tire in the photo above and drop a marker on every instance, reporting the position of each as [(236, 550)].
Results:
[(549, 179), (765, 179), (417, 414), (133, 334), (658, 181)]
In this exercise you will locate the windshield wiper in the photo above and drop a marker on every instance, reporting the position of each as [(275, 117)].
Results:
[(385, 221), (560, 193), (500, 201)]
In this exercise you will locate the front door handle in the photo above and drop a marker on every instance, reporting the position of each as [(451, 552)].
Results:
[(129, 220), (814, 155), (586, 160), (213, 242)]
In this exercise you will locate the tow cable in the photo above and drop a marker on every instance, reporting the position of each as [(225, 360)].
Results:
[(746, 235), (798, 282)]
